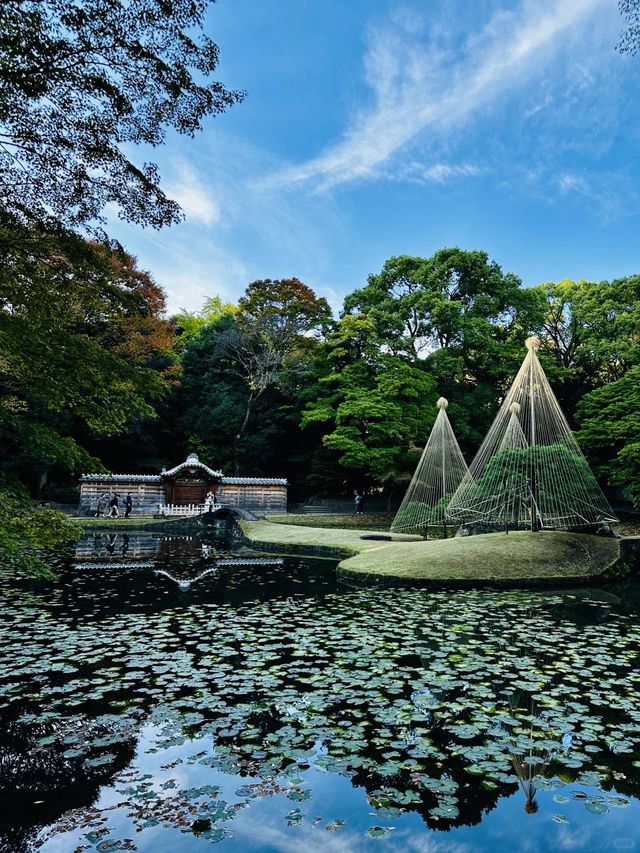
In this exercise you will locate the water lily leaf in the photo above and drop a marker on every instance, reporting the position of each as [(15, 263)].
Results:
[(294, 817), (596, 807), (378, 831)]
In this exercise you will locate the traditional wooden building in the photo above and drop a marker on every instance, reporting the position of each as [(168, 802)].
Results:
[(184, 486)]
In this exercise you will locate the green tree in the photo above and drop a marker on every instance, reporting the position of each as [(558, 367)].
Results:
[(83, 349), (609, 432), (461, 316), (241, 374), (272, 339), (189, 324), (80, 82), (590, 334), (421, 305), (210, 406), (28, 532), (373, 406)]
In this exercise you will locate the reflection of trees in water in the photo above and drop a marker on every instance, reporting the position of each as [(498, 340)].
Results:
[(406, 707), (39, 783)]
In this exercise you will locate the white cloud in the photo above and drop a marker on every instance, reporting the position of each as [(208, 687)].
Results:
[(425, 88), (249, 232), (190, 191), (316, 839), (438, 173), (610, 195), (572, 183)]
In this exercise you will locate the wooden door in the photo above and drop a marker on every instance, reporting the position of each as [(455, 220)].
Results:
[(189, 493)]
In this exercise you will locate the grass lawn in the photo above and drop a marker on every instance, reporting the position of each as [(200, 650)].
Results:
[(362, 522), (519, 555), (349, 541)]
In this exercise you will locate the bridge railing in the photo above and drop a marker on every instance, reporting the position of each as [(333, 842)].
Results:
[(180, 509)]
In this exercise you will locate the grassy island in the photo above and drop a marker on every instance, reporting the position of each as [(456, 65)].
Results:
[(520, 558)]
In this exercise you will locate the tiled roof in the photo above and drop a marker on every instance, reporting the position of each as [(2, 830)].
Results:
[(123, 478), (254, 481), (134, 564), (192, 461)]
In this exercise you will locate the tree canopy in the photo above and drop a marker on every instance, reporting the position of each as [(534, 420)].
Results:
[(83, 349), (609, 432), (373, 404), (630, 37), (80, 82)]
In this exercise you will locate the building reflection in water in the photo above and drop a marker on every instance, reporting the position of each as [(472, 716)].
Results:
[(184, 560)]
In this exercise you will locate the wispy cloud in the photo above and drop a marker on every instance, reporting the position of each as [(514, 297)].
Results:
[(422, 87), (188, 189), (573, 183), (438, 173), (611, 195), (235, 231)]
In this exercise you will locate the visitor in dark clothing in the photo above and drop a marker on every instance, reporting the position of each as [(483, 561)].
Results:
[(113, 506), (128, 504)]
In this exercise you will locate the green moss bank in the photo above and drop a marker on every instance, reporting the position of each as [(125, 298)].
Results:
[(519, 558), (315, 541)]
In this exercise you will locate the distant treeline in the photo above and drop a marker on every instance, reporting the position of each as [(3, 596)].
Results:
[(275, 385)]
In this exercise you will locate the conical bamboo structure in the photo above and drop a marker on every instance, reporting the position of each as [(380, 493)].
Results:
[(439, 473), (529, 471)]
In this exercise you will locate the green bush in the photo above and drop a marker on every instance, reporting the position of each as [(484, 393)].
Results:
[(28, 531)]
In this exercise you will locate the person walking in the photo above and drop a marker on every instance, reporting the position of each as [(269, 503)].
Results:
[(103, 500), (113, 507), (128, 504)]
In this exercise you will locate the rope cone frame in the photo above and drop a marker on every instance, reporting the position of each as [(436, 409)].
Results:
[(529, 471), (440, 471)]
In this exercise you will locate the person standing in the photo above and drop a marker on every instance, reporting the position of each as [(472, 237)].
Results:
[(358, 503), (103, 500), (113, 506), (128, 504)]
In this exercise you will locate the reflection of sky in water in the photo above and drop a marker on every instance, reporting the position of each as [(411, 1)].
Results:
[(261, 827), (253, 650)]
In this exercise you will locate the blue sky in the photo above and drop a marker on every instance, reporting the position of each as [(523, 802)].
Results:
[(374, 128)]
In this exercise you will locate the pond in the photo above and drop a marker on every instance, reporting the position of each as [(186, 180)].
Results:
[(170, 694)]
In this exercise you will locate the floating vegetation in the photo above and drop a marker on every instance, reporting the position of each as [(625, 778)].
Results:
[(438, 704)]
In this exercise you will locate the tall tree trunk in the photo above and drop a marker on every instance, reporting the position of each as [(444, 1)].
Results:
[(240, 433)]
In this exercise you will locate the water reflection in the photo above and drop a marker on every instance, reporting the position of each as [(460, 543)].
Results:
[(184, 576), (113, 547), (262, 701)]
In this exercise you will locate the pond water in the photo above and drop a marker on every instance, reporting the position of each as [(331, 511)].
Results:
[(170, 694)]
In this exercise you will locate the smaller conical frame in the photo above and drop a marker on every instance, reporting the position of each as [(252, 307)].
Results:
[(439, 473)]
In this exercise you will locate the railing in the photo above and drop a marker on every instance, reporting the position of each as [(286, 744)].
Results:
[(180, 509), (186, 509)]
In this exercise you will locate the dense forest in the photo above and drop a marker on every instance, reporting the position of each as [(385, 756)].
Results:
[(275, 385)]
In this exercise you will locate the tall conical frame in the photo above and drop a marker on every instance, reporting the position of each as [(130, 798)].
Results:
[(439, 472), (529, 471)]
